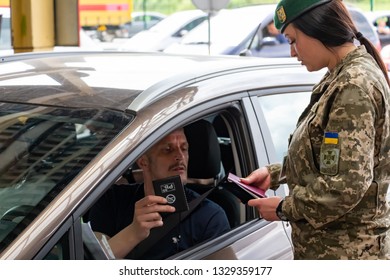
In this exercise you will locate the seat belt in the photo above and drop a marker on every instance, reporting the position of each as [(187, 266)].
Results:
[(169, 223)]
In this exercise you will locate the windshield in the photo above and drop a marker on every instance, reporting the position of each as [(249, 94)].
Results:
[(175, 21), (42, 149)]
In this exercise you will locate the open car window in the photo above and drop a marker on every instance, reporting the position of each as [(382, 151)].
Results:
[(211, 158), (281, 112)]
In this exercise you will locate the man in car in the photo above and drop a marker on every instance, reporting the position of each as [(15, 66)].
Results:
[(128, 213), (382, 26), (273, 31)]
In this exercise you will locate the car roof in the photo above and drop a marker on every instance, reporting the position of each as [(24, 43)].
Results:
[(176, 20), (374, 15), (112, 80)]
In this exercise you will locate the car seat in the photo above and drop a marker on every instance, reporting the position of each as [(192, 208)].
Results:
[(225, 144), (205, 163)]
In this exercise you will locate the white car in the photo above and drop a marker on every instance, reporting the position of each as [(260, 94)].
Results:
[(166, 32), (231, 31), (139, 21)]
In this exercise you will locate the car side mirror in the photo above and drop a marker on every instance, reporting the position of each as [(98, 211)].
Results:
[(246, 52), (183, 33)]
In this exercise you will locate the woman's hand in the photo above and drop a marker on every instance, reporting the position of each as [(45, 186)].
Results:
[(259, 178), (266, 207)]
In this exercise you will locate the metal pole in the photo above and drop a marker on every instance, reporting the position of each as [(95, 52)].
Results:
[(371, 5), (209, 41), (144, 9)]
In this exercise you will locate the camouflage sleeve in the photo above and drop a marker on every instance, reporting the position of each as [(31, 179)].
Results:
[(332, 193), (274, 171)]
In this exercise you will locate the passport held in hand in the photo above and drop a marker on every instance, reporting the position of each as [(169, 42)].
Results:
[(253, 191), (172, 190)]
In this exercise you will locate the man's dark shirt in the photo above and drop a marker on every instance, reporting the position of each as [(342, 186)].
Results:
[(115, 210)]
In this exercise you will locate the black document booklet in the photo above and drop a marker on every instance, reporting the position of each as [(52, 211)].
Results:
[(172, 189)]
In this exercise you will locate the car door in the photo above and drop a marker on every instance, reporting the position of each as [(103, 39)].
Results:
[(242, 150), (270, 117)]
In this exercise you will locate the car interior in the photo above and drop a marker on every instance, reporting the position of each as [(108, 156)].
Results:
[(205, 162), (210, 160)]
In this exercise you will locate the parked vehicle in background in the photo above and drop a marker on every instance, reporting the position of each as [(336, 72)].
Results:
[(5, 31), (101, 19), (365, 27), (139, 21), (238, 29), (73, 124), (230, 32), (381, 22), (264, 44), (168, 31), (107, 12), (385, 53)]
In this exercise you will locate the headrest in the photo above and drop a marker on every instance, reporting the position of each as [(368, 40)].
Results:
[(204, 153)]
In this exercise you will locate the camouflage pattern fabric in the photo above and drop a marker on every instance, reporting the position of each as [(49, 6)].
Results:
[(338, 166)]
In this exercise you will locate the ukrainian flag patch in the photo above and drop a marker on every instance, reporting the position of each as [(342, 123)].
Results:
[(330, 154), (331, 138)]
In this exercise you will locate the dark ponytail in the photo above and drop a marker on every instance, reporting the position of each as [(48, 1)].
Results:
[(374, 53)]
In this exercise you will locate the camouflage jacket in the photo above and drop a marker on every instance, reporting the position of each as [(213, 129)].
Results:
[(338, 166)]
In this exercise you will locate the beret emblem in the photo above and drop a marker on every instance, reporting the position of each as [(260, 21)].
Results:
[(281, 14)]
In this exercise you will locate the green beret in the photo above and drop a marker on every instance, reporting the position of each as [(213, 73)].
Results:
[(289, 10)]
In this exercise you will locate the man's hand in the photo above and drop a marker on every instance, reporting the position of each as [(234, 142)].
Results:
[(147, 215)]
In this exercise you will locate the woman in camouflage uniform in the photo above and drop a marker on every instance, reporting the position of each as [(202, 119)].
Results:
[(338, 163)]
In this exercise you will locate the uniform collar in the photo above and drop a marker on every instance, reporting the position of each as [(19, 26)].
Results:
[(360, 51), (321, 87)]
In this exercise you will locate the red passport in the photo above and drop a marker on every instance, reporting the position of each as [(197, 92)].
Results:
[(253, 191)]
